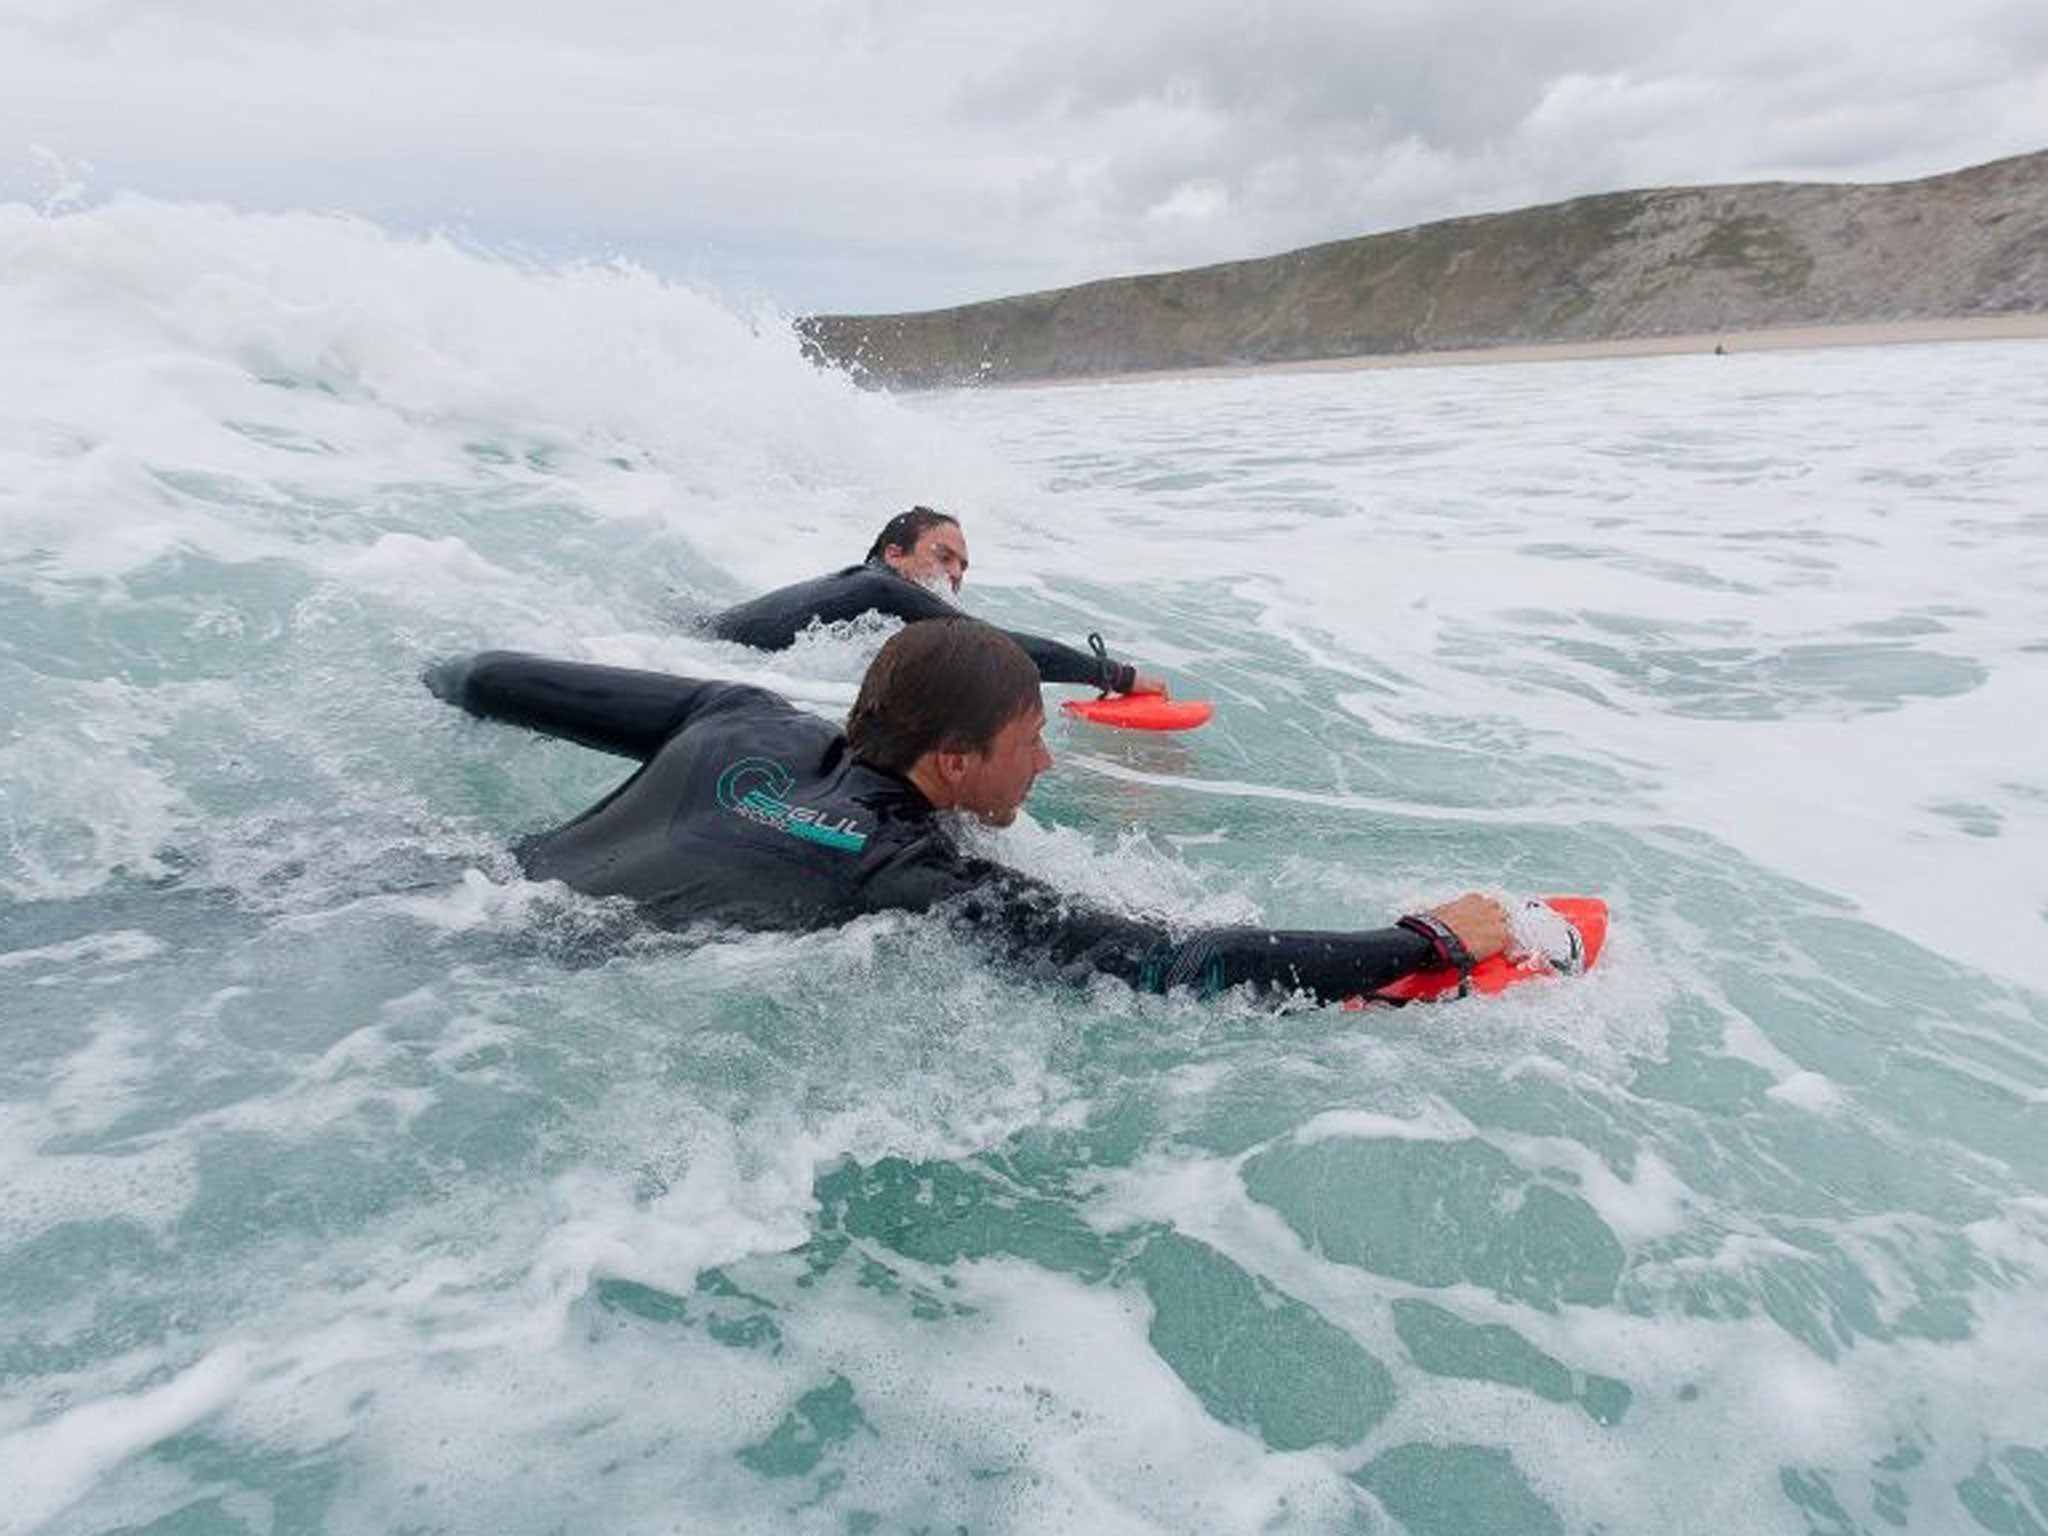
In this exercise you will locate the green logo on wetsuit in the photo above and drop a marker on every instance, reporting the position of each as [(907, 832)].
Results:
[(754, 786)]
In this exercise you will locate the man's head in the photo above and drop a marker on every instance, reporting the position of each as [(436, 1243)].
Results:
[(953, 706), (924, 546)]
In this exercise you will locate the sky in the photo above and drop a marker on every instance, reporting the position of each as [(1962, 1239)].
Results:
[(877, 155)]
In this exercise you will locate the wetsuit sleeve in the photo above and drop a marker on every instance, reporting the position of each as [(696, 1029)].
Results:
[(773, 621), (907, 601), (1056, 663), (1039, 926), (1059, 663), (614, 709)]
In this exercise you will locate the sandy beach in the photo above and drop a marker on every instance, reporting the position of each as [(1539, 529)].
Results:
[(1784, 338)]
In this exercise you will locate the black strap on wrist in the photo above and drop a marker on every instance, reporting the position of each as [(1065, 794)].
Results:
[(1450, 949), (1105, 669)]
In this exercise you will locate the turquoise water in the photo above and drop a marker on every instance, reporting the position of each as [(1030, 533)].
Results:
[(352, 1183)]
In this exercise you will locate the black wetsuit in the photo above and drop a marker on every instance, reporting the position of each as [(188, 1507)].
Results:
[(772, 622), (746, 811)]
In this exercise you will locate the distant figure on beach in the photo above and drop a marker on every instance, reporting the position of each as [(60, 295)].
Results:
[(1719, 350), (911, 572)]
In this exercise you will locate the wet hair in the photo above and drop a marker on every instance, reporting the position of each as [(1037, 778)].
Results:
[(904, 530), (939, 684)]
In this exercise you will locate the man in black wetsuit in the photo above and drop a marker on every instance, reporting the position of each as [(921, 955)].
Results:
[(748, 812), (916, 553)]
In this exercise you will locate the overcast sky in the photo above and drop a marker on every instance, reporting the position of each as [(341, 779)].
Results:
[(904, 154)]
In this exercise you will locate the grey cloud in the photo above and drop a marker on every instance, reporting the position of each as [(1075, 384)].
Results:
[(1493, 105), (907, 153), (1456, 74)]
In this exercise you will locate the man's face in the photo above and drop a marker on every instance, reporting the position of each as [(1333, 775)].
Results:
[(940, 554), (993, 784)]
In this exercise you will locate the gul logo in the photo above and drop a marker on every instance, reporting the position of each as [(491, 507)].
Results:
[(754, 786)]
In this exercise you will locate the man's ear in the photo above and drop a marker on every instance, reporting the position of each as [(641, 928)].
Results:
[(951, 764)]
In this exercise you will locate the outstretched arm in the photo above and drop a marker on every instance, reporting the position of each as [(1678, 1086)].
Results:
[(614, 709), (1056, 662), (1038, 925), (773, 621), (1059, 663)]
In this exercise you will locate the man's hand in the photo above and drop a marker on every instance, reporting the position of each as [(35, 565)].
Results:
[(1143, 684), (1480, 922)]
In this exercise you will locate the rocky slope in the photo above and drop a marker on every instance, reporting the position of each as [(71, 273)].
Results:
[(1681, 261)]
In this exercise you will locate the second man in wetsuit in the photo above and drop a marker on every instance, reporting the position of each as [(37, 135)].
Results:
[(918, 556)]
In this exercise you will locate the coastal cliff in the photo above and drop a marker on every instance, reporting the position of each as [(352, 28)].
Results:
[(1617, 266)]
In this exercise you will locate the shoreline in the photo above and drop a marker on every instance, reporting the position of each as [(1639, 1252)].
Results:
[(2015, 327)]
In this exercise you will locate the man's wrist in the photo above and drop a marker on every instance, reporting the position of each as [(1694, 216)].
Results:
[(1450, 949), (1111, 676)]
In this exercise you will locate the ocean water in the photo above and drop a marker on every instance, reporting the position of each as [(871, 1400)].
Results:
[(349, 1183)]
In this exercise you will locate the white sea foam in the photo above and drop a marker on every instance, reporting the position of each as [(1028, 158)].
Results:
[(1809, 1090), (55, 1462), (121, 948), (439, 1173), (43, 1193)]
